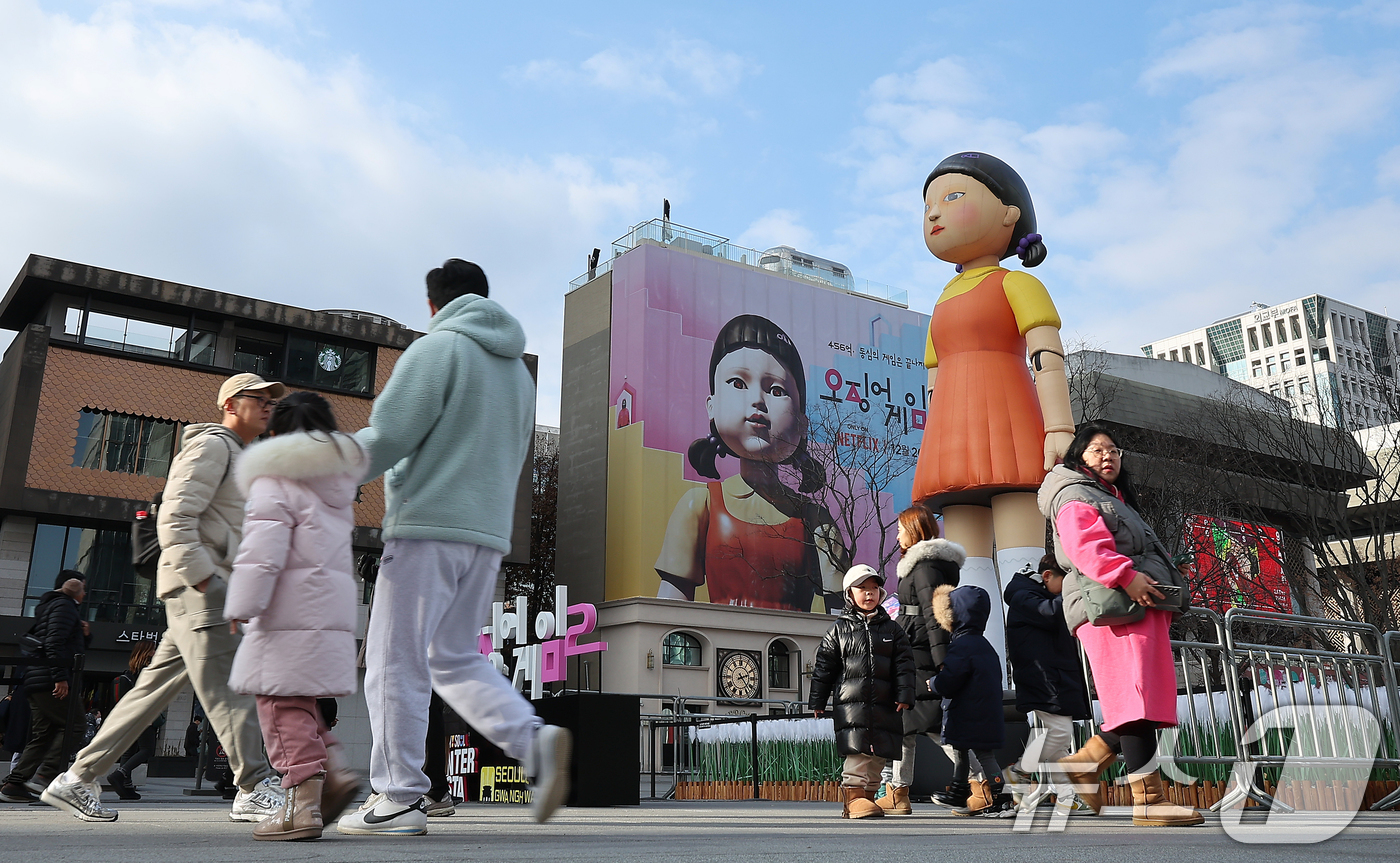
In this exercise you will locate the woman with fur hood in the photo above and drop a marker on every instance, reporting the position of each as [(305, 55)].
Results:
[(927, 563), (293, 589)]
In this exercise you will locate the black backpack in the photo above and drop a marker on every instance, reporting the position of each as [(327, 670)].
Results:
[(145, 545)]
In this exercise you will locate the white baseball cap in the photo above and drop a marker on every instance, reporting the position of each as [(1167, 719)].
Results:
[(858, 574)]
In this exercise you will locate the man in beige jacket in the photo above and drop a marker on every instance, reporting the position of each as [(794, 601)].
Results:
[(199, 523)]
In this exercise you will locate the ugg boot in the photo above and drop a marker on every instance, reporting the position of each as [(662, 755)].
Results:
[(300, 815), (1151, 808), (1082, 771), (981, 798), (860, 804), (342, 784), (896, 800)]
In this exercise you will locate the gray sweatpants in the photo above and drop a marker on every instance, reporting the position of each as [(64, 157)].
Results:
[(203, 657), (430, 602)]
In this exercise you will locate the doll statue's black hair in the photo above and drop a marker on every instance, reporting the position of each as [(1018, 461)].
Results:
[(754, 331), (1010, 189)]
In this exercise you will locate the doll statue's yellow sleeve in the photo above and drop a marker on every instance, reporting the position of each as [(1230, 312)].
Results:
[(1030, 302), (930, 355)]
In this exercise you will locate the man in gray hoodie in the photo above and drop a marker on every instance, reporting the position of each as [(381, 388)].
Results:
[(451, 428), (200, 522)]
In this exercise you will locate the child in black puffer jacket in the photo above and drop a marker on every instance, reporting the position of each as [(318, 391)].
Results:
[(867, 660), (970, 685)]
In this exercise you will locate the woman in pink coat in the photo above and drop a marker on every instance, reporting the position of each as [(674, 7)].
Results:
[(292, 586), (1100, 537)]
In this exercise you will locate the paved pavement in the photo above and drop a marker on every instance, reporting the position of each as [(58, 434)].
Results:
[(168, 826)]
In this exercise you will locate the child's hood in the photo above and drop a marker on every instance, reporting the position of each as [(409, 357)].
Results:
[(963, 609), (328, 465), (485, 322)]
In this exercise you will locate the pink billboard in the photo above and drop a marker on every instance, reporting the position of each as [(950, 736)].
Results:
[(763, 431)]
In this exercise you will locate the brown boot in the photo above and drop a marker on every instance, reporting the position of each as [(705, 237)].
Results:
[(1151, 808), (341, 787), (896, 800), (860, 804), (980, 798), (300, 815), (1082, 770)]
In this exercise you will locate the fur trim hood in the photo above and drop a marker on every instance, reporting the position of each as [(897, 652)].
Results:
[(931, 550), (943, 606), (300, 456)]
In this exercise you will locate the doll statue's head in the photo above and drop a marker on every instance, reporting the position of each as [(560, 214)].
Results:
[(757, 401), (976, 206)]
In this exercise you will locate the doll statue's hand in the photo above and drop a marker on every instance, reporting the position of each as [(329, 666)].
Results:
[(1056, 445)]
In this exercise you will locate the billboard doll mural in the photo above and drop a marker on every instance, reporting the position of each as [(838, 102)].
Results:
[(752, 539), (994, 430)]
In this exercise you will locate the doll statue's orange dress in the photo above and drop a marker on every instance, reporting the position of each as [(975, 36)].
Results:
[(985, 434)]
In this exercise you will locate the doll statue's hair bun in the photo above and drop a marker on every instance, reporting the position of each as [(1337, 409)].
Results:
[(1030, 250)]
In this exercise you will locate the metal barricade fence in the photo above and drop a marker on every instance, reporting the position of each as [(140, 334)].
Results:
[(739, 765), (1321, 691)]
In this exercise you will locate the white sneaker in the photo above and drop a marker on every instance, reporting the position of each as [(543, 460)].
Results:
[(1074, 808), (77, 798), (381, 816), (266, 798), (548, 766)]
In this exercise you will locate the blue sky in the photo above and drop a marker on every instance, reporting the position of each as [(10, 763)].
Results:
[(1185, 158)]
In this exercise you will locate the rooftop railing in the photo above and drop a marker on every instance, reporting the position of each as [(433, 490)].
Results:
[(669, 234)]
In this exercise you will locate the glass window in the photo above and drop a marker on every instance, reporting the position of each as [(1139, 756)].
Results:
[(1304, 387), (115, 593), (1268, 337), (1296, 327), (1253, 340), (680, 648), (201, 347), (328, 364), (1175, 357), (1282, 333), (1200, 354), (779, 666), (1283, 362), (1299, 357), (136, 336), (1270, 366), (1288, 389), (124, 443), (1257, 369), (261, 356), (1273, 390)]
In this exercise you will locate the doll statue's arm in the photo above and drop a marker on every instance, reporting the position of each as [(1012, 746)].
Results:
[(681, 563), (1047, 354)]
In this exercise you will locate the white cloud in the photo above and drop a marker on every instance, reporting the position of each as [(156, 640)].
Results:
[(1230, 199), (198, 155), (777, 228), (672, 71)]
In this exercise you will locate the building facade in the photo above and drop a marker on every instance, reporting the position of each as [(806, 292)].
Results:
[(707, 608), (1333, 362), (106, 370)]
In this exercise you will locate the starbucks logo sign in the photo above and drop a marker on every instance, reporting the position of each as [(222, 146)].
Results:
[(328, 358)]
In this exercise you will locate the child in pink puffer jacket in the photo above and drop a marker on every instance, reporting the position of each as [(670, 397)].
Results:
[(292, 585)]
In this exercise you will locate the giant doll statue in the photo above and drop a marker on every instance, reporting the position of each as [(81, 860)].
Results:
[(994, 429)]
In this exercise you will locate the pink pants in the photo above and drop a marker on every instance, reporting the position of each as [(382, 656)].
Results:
[(296, 736)]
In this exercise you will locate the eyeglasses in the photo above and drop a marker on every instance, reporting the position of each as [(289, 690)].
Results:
[(263, 401), (1105, 453)]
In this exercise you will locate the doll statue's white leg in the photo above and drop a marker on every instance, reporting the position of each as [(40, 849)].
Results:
[(971, 527)]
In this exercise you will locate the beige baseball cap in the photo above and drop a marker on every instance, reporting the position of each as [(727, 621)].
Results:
[(249, 382)]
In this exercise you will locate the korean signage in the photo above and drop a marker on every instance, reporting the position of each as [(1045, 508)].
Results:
[(546, 660)]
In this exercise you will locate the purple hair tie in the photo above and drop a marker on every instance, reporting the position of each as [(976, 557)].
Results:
[(958, 268), (1025, 244)]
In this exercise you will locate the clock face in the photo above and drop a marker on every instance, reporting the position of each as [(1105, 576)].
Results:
[(329, 358), (738, 676)]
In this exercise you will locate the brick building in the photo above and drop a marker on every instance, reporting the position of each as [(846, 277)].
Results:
[(105, 371)]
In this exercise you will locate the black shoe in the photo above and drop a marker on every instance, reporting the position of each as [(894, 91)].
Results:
[(954, 796), (118, 779), (127, 792), (14, 792)]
